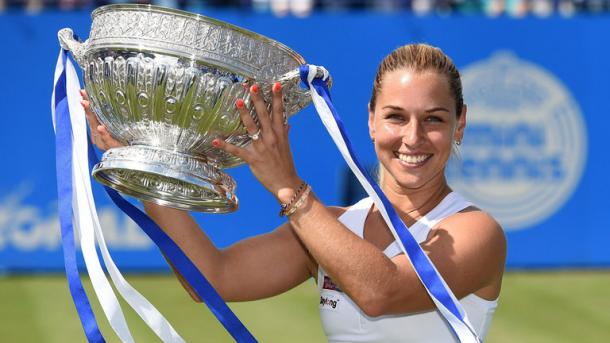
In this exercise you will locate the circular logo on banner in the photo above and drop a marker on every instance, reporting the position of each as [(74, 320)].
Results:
[(525, 144)]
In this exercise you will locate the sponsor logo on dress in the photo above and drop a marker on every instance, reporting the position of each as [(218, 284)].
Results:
[(325, 301), (329, 284), (525, 145)]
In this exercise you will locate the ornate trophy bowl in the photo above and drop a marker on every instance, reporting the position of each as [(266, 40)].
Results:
[(164, 82)]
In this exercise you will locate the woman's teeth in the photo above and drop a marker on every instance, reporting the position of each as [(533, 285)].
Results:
[(413, 159)]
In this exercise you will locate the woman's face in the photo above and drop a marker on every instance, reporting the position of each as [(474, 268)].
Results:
[(414, 125)]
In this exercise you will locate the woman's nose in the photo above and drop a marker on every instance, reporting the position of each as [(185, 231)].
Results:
[(412, 133)]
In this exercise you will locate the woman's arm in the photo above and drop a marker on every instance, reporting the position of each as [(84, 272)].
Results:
[(468, 249), (251, 269)]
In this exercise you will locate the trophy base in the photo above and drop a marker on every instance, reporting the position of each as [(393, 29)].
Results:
[(167, 178)]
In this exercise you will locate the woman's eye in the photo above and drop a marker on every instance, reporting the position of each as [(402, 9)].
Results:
[(393, 116), (434, 119)]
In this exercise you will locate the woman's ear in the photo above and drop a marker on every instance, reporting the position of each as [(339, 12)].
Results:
[(461, 125), (371, 123)]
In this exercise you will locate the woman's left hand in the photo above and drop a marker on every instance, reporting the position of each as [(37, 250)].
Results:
[(269, 155)]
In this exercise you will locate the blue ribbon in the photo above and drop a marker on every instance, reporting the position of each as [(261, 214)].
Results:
[(421, 264), (63, 156), (181, 262)]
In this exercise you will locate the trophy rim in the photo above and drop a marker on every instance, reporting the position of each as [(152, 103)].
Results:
[(199, 17)]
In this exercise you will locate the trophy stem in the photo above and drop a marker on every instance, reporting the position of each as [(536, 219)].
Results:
[(167, 178)]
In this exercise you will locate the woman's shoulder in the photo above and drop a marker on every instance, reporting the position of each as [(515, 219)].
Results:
[(473, 223)]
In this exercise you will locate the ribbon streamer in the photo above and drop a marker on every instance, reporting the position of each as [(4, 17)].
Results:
[(63, 155), (443, 298), (83, 206), (182, 263), (88, 218)]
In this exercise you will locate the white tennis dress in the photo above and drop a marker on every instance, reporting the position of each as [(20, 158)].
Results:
[(344, 321)]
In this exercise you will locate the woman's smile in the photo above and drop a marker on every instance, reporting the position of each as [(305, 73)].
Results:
[(412, 160)]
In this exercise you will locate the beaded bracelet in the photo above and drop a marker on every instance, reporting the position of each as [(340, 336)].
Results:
[(299, 202), (289, 208)]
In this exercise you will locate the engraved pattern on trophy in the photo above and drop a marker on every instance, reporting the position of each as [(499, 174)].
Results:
[(203, 40), (165, 82)]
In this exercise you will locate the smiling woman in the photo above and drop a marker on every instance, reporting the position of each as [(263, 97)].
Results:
[(414, 134), (421, 98), (369, 291)]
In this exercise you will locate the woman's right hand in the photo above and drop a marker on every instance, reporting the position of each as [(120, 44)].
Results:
[(99, 134)]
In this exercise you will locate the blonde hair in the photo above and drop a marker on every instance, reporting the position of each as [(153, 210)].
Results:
[(420, 58)]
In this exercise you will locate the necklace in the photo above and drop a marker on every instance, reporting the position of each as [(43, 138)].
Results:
[(426, 206)]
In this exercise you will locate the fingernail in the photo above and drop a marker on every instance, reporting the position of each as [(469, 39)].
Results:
[(239, 103), (254, 89), (277, 86), (100, 128), (216, 142)]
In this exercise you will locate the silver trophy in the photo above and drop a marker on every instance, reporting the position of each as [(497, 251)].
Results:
[(164, 82)]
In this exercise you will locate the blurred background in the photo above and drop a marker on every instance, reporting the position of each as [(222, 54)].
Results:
[(536, 80)]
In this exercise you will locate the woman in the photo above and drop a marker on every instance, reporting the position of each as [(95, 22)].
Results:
[(369, 290)]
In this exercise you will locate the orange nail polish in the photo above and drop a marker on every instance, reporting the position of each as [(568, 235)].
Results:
[(216, 142), (277, 86), (254, 89), (239, 103)]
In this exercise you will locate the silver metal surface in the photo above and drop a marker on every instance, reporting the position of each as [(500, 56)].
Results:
[(164, 82)]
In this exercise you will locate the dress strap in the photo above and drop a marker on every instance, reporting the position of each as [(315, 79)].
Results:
[(451, 204), (355, 216)]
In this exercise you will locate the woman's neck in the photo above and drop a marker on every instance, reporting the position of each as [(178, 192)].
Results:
[(413, 203)]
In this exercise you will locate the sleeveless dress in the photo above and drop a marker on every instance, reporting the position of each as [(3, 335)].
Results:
[(344, 321)]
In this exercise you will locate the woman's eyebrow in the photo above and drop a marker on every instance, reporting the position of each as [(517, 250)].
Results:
[(392, 107), (437, 109)]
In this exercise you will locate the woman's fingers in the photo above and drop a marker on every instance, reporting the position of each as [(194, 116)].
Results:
[(232, 149), (107, 141), (99, 134), (92, 122), (245, 117), (91, 118), (278, 117), (261, 111), (83, 93)]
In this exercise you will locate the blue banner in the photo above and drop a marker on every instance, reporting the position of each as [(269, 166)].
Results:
[(536, 92)]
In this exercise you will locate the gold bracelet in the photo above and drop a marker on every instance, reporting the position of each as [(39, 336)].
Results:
[(299, 202), (285, 208), (296, 194)]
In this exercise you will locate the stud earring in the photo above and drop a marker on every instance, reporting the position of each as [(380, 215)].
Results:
[(458, 142)]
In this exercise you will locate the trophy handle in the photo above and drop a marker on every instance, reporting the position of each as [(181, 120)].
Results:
[(295, 76), (301, 97), (68, 42)]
